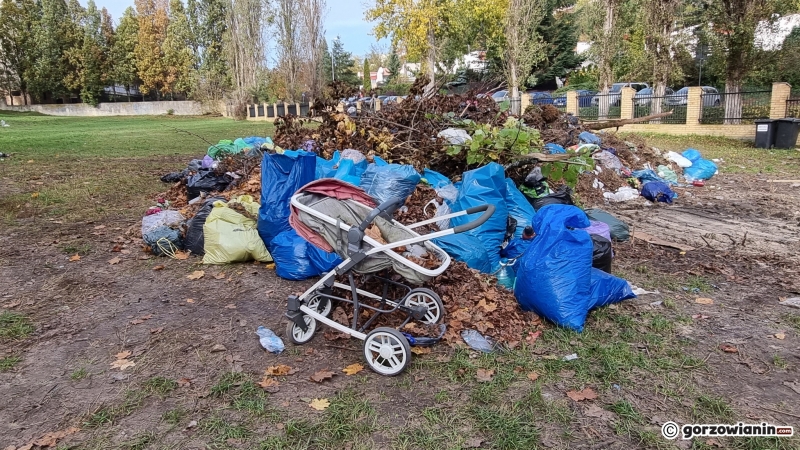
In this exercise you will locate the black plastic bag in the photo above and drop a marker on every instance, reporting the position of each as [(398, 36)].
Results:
[(206, 181), (174, 177), (602, 255), (195, 240), (563, 196)]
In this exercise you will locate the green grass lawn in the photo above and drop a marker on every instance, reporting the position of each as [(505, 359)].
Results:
[(88, 168)]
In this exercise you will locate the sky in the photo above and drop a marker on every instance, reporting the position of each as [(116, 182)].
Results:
[(345, 18)]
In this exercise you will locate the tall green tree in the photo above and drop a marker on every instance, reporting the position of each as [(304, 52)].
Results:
[(51, 43), (73, 57), (559, 32), (393, 65), (326, 66), (366, 80), (343, 64), (177, 49), (17, 45), (123, 69), (91, 76)]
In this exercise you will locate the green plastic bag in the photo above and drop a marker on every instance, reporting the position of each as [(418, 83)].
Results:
[(224, 148), (231, 236)]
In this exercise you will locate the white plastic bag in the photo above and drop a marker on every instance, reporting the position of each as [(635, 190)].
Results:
[(168, 218), (623, 194), (679, 159)]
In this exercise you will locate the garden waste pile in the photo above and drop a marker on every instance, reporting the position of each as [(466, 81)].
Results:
[(538, 252)]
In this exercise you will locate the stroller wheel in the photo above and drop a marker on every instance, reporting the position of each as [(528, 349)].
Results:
[(428, 299), (297, 335), (387, 351), (316, 304)]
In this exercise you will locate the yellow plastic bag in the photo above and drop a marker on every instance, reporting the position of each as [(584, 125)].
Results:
[(231, 236)]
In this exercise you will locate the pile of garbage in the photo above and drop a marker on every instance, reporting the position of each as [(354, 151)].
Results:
[(538, 252)]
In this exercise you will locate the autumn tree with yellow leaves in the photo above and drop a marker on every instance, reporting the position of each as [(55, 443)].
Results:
[(150, 63)]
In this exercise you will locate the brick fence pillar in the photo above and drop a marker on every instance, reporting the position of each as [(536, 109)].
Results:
[(780, 94), (626, 103), (694, 105), (572, 103)]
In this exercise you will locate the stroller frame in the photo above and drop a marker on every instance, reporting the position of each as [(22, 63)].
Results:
[(386, 350)]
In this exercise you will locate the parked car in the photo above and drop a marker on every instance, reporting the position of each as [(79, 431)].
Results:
[(584, 99), (615, 93), (645, 96), (541, 98), (711, 97), (389, 99), (500, 96)]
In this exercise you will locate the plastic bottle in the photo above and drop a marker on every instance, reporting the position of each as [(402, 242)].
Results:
[(505, 276), (527, 233), (269, 340)]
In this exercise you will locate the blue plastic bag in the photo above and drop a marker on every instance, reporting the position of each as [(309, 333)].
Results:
[(554, 148), (466, 249), (350, 172), (701, 169), (692, 154), (435, 179), (554, 274), (255, 141), (647, 175), (518, 207), (297, 259), (656, 191), (281, 177), (607, 289), (325, 168), (486, 185), (389, 181), (589, 138), (378, 161)]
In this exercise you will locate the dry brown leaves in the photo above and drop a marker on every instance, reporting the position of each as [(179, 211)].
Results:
[(586, 394)]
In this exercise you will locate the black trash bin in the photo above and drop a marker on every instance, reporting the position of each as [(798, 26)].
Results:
[(786, 133), (765, 133)]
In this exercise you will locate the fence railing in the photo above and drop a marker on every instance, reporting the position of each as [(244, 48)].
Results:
[(793, 108), (734, 108), (645, 106), (610, 102), (272, 110)]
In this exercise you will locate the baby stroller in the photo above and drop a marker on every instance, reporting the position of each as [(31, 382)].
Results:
[(335, 216)]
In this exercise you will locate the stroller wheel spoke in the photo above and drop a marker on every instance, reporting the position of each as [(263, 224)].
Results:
[(429, 301), (387, 351)]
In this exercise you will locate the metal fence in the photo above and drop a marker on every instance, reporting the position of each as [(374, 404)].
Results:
[(277, 110), (592, 110), (645, 106), (793, 107), (735, 107)]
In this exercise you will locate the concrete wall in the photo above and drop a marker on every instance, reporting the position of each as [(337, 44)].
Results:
[(182, 108)]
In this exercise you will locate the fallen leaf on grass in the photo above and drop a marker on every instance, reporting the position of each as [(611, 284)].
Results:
[(727, 348), (704, 301), (220, 276), (13, 304), (532, 337), (51, 439), (420, 350), (196, 275), (125, 251), (185, 382), (99, 227), (122, 364), (320, 404), (113, 261), (780, 335), (158, 267), (321, 376), (586, 394), (353, 369), (533, 376), (230, 306), (474, 442), (268, 383), (713, 443), (488, 307), (280, 370), (595, 411), (156, 330), (484, 375), (181, 255), (189, 300), (123, 355), (75, 257)]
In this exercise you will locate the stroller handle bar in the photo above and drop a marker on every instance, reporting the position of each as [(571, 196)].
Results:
[(487, 211)]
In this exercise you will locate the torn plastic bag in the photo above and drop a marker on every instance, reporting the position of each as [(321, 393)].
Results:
[(194, 240), (378, 161), (518, 207), (623, 194), (646, 176), (607, 160), (607, 289), (479, 187), (602, 255), (668, 175), (163, 240), (619, 229), (435, 179), (205, 180), (391, 181), (563, 196), (454, 136), (297, 259), (656, 191), (168, 218), (230, 236), (702, 169), (554, 149), (174, 177), (553, 277), (466, 249), (281, 176), (589, 138)]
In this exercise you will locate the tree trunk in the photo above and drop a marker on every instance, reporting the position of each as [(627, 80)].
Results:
[(516, 101), (657, 99), (733, 101), (606, 74), (430, 89)]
